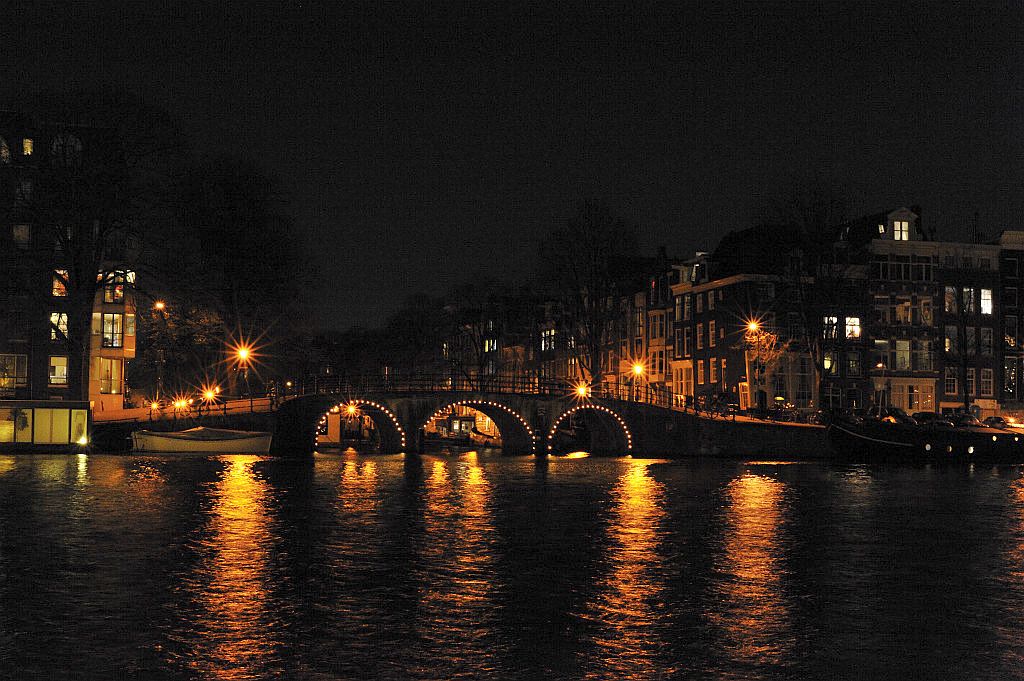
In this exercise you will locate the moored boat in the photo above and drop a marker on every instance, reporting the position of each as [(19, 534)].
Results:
[(872, 439), (201, 439)]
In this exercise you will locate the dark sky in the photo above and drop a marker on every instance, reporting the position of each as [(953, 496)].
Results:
[(422, 143)]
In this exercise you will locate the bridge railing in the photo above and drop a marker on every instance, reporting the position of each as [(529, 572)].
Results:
[(501, 383)]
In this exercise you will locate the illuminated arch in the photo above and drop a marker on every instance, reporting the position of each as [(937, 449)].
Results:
[(590, 407), (476, 404), (390, 415)]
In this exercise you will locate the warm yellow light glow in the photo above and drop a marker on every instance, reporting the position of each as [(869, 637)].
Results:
[(159, 305), (350, 409), (288, 384), (180, 404), (638, 369), (154, 405), (217, 390), (243, 353), (208, 394), (583, 390), (753, 326), (83, 440)]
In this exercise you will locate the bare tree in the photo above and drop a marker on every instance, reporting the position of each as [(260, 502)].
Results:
[(590, 258)]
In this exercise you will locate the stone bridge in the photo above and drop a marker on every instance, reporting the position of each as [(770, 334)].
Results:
[(527, 413)]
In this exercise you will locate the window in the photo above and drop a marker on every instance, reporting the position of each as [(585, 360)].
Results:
[(853, 364), (986, 301), (853, 327), (60, 289), (700, 372), (1010, 331), (970, 382), (24, 192), (1010, 379), (109, 373), (113, 330), (26, 146), (881, 353), (711, 302), (830, 364), (950, 384), (659, 362), (58, 325), (5, 152), (949, 301), (986, 383), (881, 229), (901, 230), (58, 370), (951, 344), (687, 305), (723, 370), (1010, 267), (986, 340), (687, 341), (902, 355), (711, 334), (490, 344), (968, 299), (113, 290), (903, 311), (700, 303), (926, 312), (13, 371), (923, 355), (66, 151), (547, 340), (1010, 297), (971, 340), (700, 336), (828, 327), (22, 235), (714, 371)]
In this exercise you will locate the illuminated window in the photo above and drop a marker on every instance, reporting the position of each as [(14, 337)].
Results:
[(828, 327), (113, 330), (547, 340), (714, 371), (60, 289), (109, 373), (970, 382), (26, 146), (853, 327), (58, 370), (700, 336), (700, 372), (950, 384), (901, 230), (986, 301), (951, 344), (711, 336), (490, 344), (58, 325), (968, 301), (113, 290), (881, 229), (949, 301)]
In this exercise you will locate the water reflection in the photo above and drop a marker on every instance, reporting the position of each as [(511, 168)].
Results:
[(235, 633), (753, 614), (629, 601), (458, 602)]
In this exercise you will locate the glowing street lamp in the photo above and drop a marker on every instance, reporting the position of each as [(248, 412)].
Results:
[(582, 390), (244, 356)]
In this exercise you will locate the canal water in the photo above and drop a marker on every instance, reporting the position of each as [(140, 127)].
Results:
[(479, 566)]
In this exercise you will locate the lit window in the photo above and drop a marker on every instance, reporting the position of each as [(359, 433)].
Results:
[(58, 370), (26, 146), (547, 339), (828, 326), (113, 330), (60, 289), (881, 229), (986, 301), (853, 327), (968, 300), (700, 372), (711, 337), (901, 230), (58, 325), (109, 372)]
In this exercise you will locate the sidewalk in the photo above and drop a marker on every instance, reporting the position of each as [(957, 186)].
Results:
[(259, 404)]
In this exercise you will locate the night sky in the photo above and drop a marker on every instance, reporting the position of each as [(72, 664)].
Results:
[(422, 143)]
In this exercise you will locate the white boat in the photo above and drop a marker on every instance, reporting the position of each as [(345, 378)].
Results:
[(217, 440)]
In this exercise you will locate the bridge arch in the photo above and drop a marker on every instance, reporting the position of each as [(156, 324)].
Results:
[(517, 436), (605, 423), (392, 435)]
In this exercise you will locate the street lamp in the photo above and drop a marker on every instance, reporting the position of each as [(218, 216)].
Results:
[(160, 307), (244, 356), (880, 384), (638, 370)]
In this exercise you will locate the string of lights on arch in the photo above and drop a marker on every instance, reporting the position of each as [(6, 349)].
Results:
[(595, 407), (469, 403), (387, 412)]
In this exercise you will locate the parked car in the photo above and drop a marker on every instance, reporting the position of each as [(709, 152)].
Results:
[(999, 422), (933, 420), (891, 414), (967, 421)]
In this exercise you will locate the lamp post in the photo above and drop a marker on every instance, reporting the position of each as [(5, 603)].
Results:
[(637, 373), (160, 307), (880, 384), (243, 355)]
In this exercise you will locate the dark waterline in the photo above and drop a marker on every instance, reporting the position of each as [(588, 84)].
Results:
[(482, 566)]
